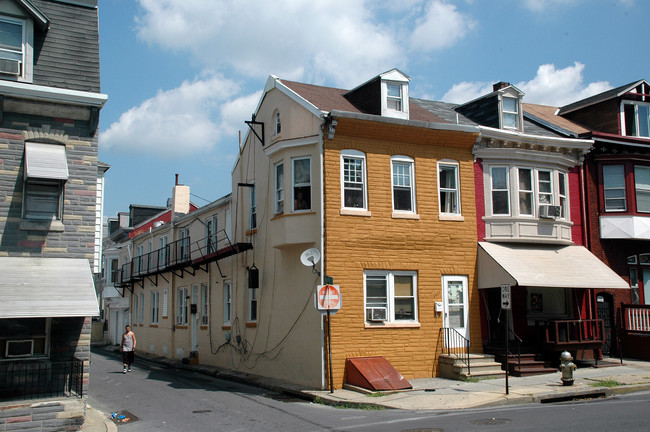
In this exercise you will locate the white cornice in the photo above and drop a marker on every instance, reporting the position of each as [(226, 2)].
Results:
[(51, 94)]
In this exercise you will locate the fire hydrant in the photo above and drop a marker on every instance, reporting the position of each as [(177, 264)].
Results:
[(567, 367)]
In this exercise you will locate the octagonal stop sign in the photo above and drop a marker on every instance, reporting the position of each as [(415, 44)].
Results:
[(328, 298)]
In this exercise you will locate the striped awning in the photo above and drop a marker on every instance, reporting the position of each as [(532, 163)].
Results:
[(46, 287)]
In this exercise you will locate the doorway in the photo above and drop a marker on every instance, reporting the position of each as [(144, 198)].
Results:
[(605, 309), (455, 313)]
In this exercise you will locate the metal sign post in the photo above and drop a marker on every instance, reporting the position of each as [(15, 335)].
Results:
[(328, 299), (506, 304)]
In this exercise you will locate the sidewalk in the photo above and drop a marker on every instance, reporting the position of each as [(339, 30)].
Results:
[(437, 393)]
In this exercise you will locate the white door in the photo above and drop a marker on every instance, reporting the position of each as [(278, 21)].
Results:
[(195, 317), (454, 299)]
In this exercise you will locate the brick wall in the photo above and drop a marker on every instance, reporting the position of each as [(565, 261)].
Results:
[(430, 247), (42, 416)]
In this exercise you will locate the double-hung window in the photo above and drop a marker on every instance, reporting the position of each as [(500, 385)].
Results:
[(614, 187), (204, 304), (184, 244), (181, 306), (637, 119), (139, 252), (392, 292), (353, 179), (525, 186), (510, 108), (544, 187), (394, 96), (141, 308), (227, 302), (279, 188), (448, 188), (252, 209), (403, 184), (46, 171), (642, 188), (500, 190), (155, 306), (301, 184), (163, 255), (211, 234), (12, 46), (562, 195)]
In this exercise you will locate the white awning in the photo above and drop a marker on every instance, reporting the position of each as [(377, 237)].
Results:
[(46, 287), (45, 161), (548, 266)]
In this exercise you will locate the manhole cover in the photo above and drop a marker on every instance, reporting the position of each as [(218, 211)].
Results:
[(122, 417), (492, 421)]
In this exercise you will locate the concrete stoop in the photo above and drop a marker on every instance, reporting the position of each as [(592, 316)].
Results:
[(481, 366)]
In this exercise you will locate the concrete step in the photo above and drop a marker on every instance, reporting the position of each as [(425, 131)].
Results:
[(481, 366)]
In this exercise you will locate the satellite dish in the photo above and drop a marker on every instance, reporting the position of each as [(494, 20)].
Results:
[(310, 257)]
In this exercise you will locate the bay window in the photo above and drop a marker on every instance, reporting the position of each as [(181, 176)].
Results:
[(525, 191), (301, 184), (500, 191), (642, 188)]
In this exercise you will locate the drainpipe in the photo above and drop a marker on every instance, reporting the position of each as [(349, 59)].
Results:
[(322, 248)]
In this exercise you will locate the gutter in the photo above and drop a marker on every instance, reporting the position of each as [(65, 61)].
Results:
[(51, 94)]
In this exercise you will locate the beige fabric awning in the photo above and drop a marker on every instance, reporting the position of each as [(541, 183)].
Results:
[(46, 287), (549, 266)]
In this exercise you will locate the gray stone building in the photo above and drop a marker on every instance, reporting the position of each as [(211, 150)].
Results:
[(50, 101)]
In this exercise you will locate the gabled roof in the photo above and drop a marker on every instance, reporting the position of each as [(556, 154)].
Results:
[(601, 97), (41, 21)]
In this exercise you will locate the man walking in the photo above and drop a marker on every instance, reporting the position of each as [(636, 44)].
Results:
[(127, 348)]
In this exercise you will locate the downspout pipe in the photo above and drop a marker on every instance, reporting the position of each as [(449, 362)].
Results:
[(321, 152)]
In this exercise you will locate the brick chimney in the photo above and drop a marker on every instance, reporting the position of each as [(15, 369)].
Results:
[(500, 85), (180, 199)]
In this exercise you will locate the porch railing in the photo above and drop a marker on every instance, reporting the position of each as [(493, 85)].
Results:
[(457, 345), (35, 379), (573, 332), (637, 317), (514, 351)]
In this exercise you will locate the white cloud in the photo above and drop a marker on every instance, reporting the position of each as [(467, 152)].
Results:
[(543, 5), (181, 122), (339, 41), (550, 86), (441, 27)]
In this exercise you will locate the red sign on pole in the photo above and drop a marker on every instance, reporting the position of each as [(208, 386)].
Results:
[(328, 298)]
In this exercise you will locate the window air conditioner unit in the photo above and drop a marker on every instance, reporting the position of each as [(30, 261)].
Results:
[(20, 348), (377, 314), (9, 67), (549, 211)]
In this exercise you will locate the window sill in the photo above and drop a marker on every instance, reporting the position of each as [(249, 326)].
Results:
[(451, 217), (182, 327), (226, 327), (41, 225), (165, 317), (355, 212), (203, 327), (403, 215), (251, 232), (393, 325), (251, 324), (153, 325)]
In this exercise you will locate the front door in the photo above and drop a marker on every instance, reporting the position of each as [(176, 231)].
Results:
[(604, 305), (454, 299), (194, 308)]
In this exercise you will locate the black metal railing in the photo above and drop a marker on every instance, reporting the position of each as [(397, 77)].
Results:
[(514, 350), (35, 379), (457, 345)]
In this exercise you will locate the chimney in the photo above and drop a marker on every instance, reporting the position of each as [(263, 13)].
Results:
[(180, 199), (500, 85)]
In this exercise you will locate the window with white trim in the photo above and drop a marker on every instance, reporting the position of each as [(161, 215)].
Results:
[(181, 306), (510, 112), (392, 291), (227, 302), (252, 209), (526, 193), (614, 187), (139, 252), (448, 188), (301, 184), (135, 308), (279, 188), (562, 194), (637, 119), (211, 234), (252, 304), (642, 188), (500, 190), (165, 302), (394, 100), (204, 304), (155, 306), (16, 42), (353, 179), (184, 244), (141, 308), (544, 187), (403, 182)]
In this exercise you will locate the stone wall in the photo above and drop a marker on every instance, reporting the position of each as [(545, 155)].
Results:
[(41, 416)]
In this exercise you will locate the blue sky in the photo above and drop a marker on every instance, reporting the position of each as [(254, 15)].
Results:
[(182, 76)]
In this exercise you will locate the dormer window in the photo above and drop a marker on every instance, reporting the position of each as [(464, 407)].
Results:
[(637, 119), (510, 111)]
